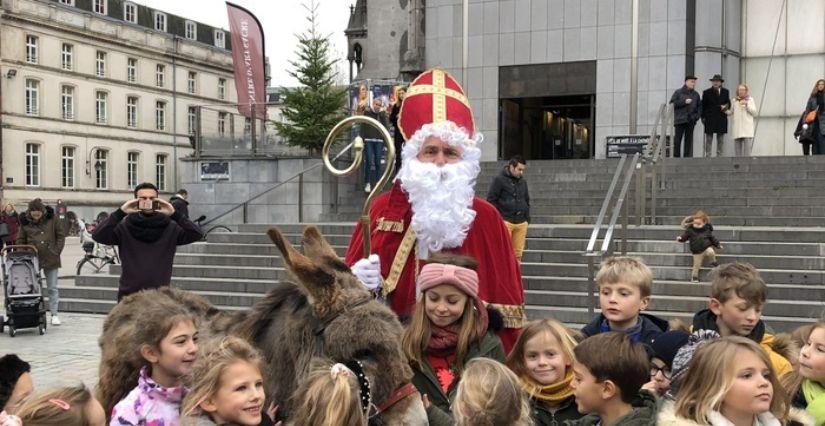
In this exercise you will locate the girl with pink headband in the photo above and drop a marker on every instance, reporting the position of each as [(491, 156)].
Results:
[(448, 328)]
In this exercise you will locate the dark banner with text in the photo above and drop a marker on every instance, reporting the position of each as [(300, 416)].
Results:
[(248, 58)]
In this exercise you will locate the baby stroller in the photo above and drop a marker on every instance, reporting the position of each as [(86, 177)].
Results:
[(25, 306)]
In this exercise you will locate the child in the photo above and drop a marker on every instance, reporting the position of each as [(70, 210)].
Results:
[(608, 373), (489, 394), (15, 381), (330, 396), (737, 297), (624, 291), (543, 358), (664, 349), (62, 407), (226, 386), (807, 384), (700, 236), (163, 346), (448, 328), (731, 382)]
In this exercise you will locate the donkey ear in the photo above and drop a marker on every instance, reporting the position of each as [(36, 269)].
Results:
[(315, 245), (319, 284)]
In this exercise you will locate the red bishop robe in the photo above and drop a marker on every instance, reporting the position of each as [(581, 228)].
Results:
[(488, 241)]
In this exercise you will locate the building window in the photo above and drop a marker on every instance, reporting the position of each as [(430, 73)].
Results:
[(32, 97), (160, 172), (132, 169), (191, 30), (100, 64), (66, 56), (160, 75), (99, 6), (67, 102), (221, 123), (193, 119), (220, 40), (32, 164), (31, 49), (101, 174), (192, 82), (101, 101), (221, 88), (130, 12), (160, 21), (160, 115), (131, 111), (67, 2), (67, 167), (131, 70)]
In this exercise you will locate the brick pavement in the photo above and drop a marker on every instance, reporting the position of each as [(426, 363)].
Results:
[(66, 354)]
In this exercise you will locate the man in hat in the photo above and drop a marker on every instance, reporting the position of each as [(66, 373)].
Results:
[(432, 208), (685, 102), (715, 105)]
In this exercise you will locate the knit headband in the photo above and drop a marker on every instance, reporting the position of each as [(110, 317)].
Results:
[(435, 274)]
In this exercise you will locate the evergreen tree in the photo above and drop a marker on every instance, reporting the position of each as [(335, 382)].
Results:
[(313, 108)]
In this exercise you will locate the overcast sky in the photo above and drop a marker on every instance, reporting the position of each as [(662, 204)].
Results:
[(282, 21)]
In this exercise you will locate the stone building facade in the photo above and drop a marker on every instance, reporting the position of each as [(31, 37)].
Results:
[(100, 95)]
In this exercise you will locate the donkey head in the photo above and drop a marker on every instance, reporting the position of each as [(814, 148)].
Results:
[(356, 326)]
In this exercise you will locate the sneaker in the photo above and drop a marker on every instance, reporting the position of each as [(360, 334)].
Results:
[(55, 320), (368, 188), (694, 280)]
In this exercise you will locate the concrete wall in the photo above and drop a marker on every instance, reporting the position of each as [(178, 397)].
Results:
[(250, 177), (798, 61), (516, 32)]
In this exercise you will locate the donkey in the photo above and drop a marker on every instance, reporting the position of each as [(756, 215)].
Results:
[(325, 313)]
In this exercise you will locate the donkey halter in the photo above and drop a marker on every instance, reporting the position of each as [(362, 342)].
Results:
[(365, 391)]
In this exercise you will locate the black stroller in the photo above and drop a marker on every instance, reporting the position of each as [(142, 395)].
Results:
[(25, 306)]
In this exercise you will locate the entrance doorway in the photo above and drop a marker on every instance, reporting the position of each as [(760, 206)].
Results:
[(548, 128), (547, 111)]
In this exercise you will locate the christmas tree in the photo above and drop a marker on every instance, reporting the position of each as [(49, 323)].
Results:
[(313, 108)]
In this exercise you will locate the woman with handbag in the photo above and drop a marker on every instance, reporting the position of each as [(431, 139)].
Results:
[(815, 115), (9, 225)]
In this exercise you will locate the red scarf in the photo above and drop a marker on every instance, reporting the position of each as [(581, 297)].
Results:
[(443, 340)]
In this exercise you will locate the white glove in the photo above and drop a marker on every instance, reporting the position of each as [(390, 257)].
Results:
[(368, 271)]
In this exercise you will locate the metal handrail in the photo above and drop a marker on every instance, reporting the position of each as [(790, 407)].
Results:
[(620, 202), (605, 204), (298, 175)]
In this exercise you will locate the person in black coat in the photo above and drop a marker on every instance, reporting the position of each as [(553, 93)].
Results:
[(715, 102), (686, 103), (179, 202), (508, 193), (397, 136), (817, 102)]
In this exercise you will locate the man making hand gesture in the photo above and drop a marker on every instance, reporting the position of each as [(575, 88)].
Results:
[(147, 231)]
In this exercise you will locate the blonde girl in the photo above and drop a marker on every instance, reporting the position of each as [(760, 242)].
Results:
[(330, 396), (448, 328), (807, 383), (73, 406), (226, 385), (732, 383), (542, 358), (490, 394), (154, 346)]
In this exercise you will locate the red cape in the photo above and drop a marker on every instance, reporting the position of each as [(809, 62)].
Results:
[(488, 241)]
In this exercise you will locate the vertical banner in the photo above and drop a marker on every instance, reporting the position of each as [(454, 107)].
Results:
[(248, 58)]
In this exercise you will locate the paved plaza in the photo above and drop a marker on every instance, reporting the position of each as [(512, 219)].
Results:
[(66, 354)]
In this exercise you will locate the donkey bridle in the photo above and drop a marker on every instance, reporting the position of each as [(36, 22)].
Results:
[(371, 409)]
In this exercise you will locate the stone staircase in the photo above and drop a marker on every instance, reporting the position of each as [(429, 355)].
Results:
[(769, 212)]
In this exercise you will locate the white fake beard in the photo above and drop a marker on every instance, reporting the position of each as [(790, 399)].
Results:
[(441, 200)]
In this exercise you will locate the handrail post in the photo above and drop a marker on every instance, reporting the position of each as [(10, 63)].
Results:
[(245, 210), (253, 128), (625, 224), (301, 198), (640, 193), (591, 287)]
